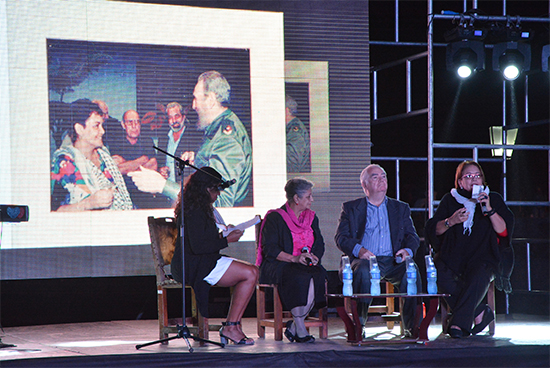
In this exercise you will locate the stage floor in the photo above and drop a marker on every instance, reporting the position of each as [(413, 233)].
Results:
[(121, 337)]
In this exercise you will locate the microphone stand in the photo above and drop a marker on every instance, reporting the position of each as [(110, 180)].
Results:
[(183, 330)]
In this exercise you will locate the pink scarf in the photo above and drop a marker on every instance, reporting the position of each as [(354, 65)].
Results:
[(300, 228)]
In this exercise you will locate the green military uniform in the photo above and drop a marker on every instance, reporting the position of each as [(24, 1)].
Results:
[(227, 149), (297, 147)]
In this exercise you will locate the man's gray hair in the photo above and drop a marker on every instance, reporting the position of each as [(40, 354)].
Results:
[(364, 174), (215, 82), (171, 105)]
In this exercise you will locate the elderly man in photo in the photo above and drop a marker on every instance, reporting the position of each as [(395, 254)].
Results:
[(130, 151), (174, 142), (377, 225), (226, 146)]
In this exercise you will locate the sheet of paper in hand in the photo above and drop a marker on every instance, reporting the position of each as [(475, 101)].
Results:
[(242, 226)]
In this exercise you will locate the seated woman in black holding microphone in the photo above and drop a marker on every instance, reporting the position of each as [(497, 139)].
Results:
[(470, 242), (204, 265), (289, 254)]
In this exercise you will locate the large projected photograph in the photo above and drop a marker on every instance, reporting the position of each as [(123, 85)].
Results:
[(112, 103), (89, 96)]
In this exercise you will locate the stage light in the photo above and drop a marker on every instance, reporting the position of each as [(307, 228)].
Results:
[(495, 136), (512, 58), (465, 57), (545, 56)]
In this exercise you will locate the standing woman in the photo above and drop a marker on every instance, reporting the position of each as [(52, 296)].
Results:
[(204, 266), (290, 251), (469, 245)]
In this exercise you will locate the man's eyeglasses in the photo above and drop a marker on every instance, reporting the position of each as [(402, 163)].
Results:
[(472, 176), (132, 122)]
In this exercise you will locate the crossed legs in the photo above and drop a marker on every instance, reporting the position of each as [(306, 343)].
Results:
[(300, 313), (243, 277)]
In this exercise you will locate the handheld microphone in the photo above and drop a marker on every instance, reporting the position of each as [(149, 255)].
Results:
[(483, 207), (309, 261), (226, 184)]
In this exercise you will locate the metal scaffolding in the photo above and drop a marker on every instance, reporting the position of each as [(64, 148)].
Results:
[(429, 110)]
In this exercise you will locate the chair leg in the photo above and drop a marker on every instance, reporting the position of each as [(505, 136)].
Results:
[(260, 310), (203, 328), (390, 305), (323, 317), (277, 315), (402, 324), (162, 306), (491, 302)]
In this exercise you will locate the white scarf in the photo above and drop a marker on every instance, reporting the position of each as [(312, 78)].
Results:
[(470, 205)]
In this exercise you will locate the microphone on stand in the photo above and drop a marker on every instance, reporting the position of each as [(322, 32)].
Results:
[(226, 184)]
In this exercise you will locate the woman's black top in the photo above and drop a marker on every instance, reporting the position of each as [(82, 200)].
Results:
[(455, 247)]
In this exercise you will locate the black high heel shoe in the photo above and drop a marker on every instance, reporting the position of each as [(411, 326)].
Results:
[(306, 338), (295, 338), (225, 339), (488, 317), (289, 335)]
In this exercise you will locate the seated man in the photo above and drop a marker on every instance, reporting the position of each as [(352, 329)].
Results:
[(380, 226)]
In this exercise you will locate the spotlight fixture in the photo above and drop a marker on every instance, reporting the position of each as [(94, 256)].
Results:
[(545, 56), (512, 58), (465, 56)]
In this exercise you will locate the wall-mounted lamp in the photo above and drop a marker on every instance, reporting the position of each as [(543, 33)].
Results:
[(495, 136)]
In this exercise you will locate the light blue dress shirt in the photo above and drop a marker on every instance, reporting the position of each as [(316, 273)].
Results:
[(171, 149)]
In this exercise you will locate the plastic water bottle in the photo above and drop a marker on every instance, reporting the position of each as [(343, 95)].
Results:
[(411, 277), (347, 277), (374, 276), (431, 273)]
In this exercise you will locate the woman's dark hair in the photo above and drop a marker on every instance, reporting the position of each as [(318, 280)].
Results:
[(195, 192), (79, 112), (297, 186), (460, 168)]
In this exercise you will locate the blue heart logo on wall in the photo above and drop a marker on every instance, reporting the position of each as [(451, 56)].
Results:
[(15, 212)]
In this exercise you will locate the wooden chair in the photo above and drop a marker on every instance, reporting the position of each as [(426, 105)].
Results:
[(490, 301), (278, 318), (163, 232)]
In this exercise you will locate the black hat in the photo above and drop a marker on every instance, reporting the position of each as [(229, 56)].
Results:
[(208, 176)]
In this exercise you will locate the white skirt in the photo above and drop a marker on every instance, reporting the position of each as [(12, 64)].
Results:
[(216, 274)]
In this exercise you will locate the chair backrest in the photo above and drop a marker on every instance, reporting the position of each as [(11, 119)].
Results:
[(163, 232), (257, 230)]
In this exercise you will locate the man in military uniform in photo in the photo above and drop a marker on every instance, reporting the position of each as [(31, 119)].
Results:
[(297, 140), (226, 146)]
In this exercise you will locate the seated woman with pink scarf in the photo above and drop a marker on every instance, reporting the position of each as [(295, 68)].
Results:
[(290, 251)]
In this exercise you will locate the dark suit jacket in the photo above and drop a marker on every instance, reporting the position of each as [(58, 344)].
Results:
[(353, 219), (190, 141)]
